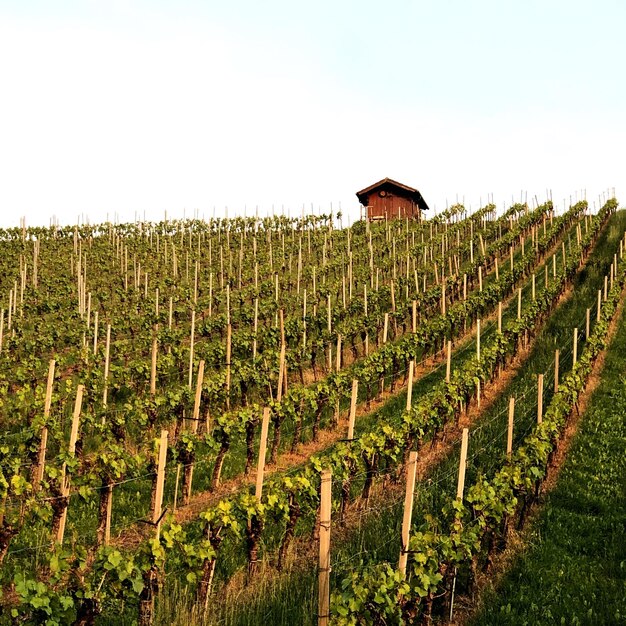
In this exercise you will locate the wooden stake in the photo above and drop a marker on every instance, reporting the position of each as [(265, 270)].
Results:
[(95, 332), (158, 500), (323, 613), (64, 480), (256, 327), (478, 339), (540, 398), (107, 354), (153, 368), (448, 361), (599, 307), (556, 370), (509, 436), (408, 511), (198, 397), (462, 463), (575, 347), (519, 303), (500, 316), (386, 328), (262, 453), (353, 399), (414, 319), (229, 341), (191, 348), (588, 325), (43, 442), (409, 390)]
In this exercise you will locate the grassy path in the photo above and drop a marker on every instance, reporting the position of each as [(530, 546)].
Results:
[(574, 568)]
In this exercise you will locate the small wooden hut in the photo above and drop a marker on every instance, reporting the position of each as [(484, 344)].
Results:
[(390, 199)]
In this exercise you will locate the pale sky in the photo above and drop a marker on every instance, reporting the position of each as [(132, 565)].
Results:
[(125, 107)]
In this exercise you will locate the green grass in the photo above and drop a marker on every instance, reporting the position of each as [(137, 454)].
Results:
[(377, 537), (574, 568)]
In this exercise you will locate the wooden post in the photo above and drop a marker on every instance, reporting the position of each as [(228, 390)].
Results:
[(599, 305), (409, 389), (323, 613), (500, 316), (262, 453), (606, 288), (153, 367), (464, 287), (539, 398), (256, 327), (575, 347), (588, 325), (462, 462), (556, 370), (509, 436), (229, 341), (352, 416), (408, 511), (386, 328), (95, 332), (612, 273), (329, 311), (414, 326), (158, 500), (519, 303), (534, 278), (448, 361), (191, 347), (107, 353), (65, 481), (443, 297), (497, 269), (198, 396), (478, 339)]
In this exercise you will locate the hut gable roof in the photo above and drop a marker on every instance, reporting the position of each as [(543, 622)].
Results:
[(388, 184)]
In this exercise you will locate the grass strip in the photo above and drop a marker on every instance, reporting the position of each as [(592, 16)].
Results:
[(573, 570)]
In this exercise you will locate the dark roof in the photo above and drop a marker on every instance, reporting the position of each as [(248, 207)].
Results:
[(389, 184)]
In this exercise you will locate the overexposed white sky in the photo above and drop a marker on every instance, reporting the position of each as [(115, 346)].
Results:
[(129, 107)]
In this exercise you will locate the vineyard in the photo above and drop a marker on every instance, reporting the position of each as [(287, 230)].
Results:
[(278, 421)]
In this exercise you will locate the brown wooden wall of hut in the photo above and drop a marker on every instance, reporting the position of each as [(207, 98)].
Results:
[(379, 207)]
